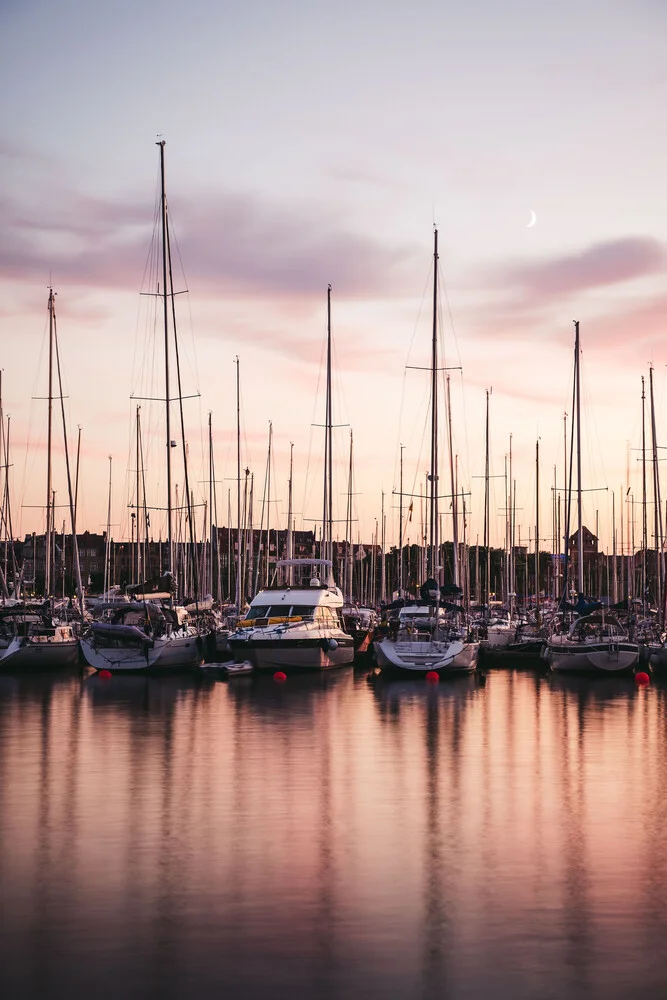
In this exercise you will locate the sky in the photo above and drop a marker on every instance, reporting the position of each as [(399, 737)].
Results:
[(309, 145)]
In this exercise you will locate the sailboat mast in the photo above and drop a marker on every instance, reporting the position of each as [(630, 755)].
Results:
[(657, 505), (49, 441), (290, 537), (644, 522), (580, 528), (433, 477), (210, 505), (107, 553), (327, 514), (400, 530), (165, 301), (537, 530), (138, 493), (511, 582), (268, 506), (238, 486), (487, 510), (382, 555)]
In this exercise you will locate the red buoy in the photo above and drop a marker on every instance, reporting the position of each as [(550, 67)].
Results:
[(642, 679), (279, 677), (104, 673), (432, 677)]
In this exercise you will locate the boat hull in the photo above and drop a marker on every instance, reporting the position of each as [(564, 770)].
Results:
[(602, 657), (26, 654), (166, 654), (499, 637), (422, 657), (300, 654)]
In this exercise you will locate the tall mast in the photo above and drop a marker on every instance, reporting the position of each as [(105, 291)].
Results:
[(290, 538), (511, 581), (327, 513), (580, 527), (238, 486), (644, 523), (400, 530), (268, 506), (433, 541), (49, 439), (566, 509), (107, 554), (537, 530), (348, 528), (7, 515), (506, 576), (138, 488), (382, 557), (210, 505), (165, 301), (4, 493), (487, 510), (229, 544), (657, 505)]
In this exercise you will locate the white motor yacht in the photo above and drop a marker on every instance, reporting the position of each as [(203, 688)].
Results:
[(295, 625)]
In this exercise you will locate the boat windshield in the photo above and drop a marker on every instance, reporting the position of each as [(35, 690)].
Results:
[(258, 611), (279, 611)]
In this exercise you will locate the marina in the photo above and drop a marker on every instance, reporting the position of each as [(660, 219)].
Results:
[(432, 609), (333, 518)]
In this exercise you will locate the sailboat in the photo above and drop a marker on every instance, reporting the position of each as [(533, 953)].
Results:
[(145, 635), (41, 641), (297, 622), (595, 642), (427, 639)]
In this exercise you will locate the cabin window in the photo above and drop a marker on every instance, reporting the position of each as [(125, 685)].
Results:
[(301, 611), (257, 612)]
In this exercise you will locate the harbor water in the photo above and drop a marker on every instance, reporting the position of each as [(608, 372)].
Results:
[(332, 837)]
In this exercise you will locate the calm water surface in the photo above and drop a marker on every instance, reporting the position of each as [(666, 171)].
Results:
[(332, 838)]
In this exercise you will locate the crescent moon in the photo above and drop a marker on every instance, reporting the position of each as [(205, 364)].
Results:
[(533, 220)]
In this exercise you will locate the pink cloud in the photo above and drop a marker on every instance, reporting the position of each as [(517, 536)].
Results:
[(602, 264), (228, 242)]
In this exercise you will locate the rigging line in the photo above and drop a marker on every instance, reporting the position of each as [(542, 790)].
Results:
[(147, 272), (427, 284), (188, 496), (308, 485), (30, 454)]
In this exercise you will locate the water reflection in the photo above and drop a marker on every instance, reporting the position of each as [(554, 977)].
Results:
[(332, 837)]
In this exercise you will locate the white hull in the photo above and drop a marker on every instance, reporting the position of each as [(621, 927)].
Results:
[(307, 653), (238, 669), (500, 636), (596, 657), (173, 652), (40, 653), (419, 656)]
